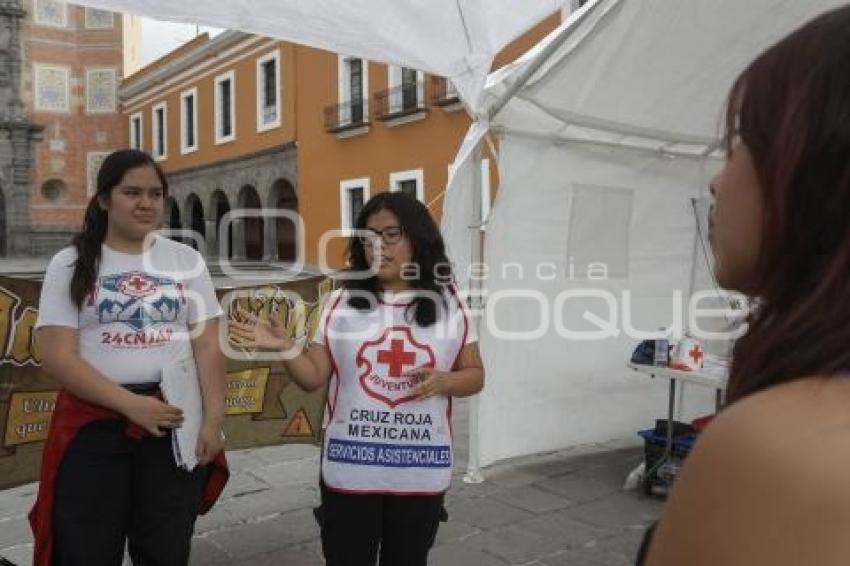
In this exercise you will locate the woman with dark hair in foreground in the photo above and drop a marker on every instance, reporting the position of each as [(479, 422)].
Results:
[(768, 482)]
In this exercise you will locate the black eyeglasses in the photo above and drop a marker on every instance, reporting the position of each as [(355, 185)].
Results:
[(389, 235)]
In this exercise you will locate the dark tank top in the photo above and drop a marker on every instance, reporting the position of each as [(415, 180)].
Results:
[(644, 546)]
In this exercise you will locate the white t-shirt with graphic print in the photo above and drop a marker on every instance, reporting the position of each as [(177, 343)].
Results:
[(137, 319)]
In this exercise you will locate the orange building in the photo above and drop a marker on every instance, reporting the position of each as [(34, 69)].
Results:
[(73, 60), (243, 122)]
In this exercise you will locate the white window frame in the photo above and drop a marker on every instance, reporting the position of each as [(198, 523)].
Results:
[(231, 76), (155, 132), (114, 71), (64, 23), (344, 208), (344, 82), (141, 120), (184, 147), (64, 69), (417, 175), (262, 125), (394, 80), (89, 25)]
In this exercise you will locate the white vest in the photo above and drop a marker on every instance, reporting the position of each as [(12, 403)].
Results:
[(379, 438)]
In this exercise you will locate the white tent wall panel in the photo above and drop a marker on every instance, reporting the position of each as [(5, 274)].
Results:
[(553, 392)]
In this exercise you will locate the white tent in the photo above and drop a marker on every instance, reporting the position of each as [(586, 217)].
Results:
[(451, 38), (606, 132)]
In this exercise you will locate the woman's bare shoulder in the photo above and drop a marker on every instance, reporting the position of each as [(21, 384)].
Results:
[(767, 483)]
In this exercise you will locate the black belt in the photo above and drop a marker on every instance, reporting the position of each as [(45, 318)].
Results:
[(142, 388)]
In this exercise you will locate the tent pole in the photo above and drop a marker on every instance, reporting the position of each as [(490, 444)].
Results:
[(573, 23), (473, 468)]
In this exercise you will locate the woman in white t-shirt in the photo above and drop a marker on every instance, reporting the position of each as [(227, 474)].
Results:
[(396, 344), (117, 307)]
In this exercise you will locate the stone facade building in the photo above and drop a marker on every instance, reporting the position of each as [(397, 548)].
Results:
[(64, 64)]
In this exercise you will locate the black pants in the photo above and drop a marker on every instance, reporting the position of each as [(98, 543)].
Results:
[(356, 528), (111, 488)]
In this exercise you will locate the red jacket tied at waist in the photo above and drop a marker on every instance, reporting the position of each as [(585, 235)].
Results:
[(70, 415)]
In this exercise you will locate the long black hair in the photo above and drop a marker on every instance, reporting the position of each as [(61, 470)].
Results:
[(429, 255), (89, 240)]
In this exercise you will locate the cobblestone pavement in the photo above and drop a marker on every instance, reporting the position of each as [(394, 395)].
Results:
[(566, 508)]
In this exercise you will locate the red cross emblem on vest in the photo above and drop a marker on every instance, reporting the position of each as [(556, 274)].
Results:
[(396, 358), (384, 360)]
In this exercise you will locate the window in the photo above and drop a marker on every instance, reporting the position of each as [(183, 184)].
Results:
[(406, 89), (99, 19), (52, 13), (355, 206), (353, 90), (408, 187), (355, 82), (52, 88), (409, 88), (189, 121), (268, 91), (94, 159), (101, 91), (54, 190), (353, 195), (136, 141), (160, 126), (409, 182), (225, 109)]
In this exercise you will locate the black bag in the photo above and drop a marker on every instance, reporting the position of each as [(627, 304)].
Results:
[(644, 354)]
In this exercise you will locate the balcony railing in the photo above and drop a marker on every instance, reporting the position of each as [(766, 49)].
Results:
[(347, 115), (400, 101), (443, 92)]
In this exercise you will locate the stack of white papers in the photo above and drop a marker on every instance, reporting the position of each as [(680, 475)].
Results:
[(180, 388)]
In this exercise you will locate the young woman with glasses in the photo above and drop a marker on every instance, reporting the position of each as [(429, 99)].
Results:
[(117, 307), (396, 345)]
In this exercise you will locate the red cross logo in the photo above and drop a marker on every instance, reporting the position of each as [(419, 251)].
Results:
[(137, 283), (384, 360), (396, 357), (696, 354)]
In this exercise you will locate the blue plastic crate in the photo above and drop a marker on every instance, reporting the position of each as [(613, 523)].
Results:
[(681, 444)]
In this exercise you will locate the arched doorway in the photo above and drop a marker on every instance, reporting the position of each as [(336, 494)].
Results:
[(283, 197), (221, 206), (252, 226), (195, 212), (171, 218), (4, 234)]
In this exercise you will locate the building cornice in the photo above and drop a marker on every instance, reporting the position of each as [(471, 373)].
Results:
[(142, 80)]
